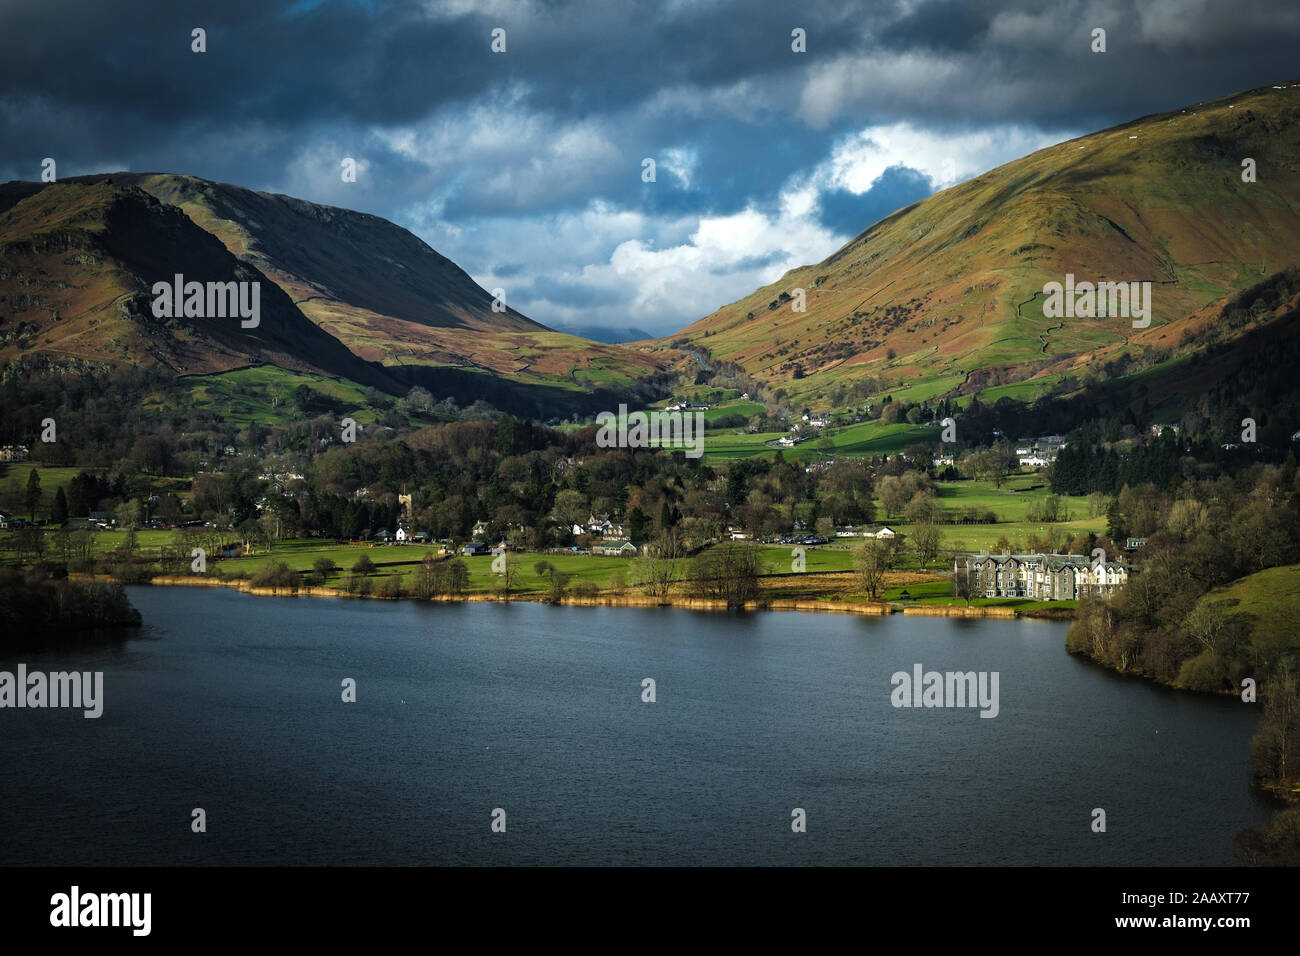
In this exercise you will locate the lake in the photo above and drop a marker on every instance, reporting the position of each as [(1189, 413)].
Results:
[(233, 703)]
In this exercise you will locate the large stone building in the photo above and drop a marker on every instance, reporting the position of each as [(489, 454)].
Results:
[(1039, 577)]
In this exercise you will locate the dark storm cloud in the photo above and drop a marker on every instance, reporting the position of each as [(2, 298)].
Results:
[(574, 293), (470, 148), (845, 213), (90, 79)]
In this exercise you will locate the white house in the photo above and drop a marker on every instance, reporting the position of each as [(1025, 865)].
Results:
[(402, 536), (1034, 461), (878, 531)]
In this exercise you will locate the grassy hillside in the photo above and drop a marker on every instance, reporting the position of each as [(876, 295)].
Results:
[(382, 291), (1270, 598), (77, 265), (946, 295)]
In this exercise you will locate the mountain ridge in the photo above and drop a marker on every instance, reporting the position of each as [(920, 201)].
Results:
[(948, 288)]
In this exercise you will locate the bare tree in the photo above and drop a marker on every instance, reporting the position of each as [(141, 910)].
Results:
[(656, 569), (729, 572), (925, 540), (873, 558)]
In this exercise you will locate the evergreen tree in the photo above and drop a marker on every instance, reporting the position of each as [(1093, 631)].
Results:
[(60, 512), (33, 492)]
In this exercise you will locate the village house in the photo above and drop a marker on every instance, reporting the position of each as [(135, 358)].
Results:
[(14, 453), (615, 548), (1039, 577)]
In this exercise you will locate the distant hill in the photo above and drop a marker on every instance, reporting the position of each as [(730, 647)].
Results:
[(611, 336), (944, 297), (334, 262), (77, 264), (383, 291), (349, 294)]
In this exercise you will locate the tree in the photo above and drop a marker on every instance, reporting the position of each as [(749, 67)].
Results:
[(925, 539), (637, 522), (923, 509), (570, 509), (423, 586), (323, 567), (128, 514), (451, 578), (1115, 529), (873, 557), (557, 579), (507, 574), (59, 514), (29, 543), (728, 572), (656, 569), (1275, 749), (962, 586), (33, 492), (364, 566), (893, 494)]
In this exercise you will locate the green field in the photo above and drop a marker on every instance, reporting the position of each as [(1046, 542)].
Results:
[(977, 537), (13, 485), (939, 593), (1269, 597), (403, 559), (264, 395), (863, 439)]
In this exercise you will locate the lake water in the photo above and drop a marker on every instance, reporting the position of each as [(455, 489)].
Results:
[(232, 703)]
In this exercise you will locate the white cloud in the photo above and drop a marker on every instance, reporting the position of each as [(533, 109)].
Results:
[(857, 162), (681, 163), (919, 83), (618, 266)]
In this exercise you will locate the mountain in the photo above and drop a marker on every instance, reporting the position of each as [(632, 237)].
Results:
[(77, 265), (610, 336), (381, 290), (946, 296), (344, 294)]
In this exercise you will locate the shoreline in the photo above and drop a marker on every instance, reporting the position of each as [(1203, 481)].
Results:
[(685, 602)]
